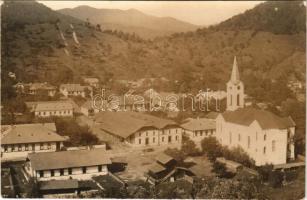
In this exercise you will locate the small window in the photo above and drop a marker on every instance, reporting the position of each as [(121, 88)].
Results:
[(41, 173), (230, 137), (19, 147), (13, 147), (70, 171), (41, 146), (153, 140), (162, 139), (273, 145), (26, 147), (264, 137), (61, 172), (5, 148), (48, 146), (238, 87), (176, 137), (239, 137), (146, 133), (140, 141), (256, 136), (99, 168), (84, 170), (195, 133), (140, 134), (248, 142), (264, 150), (33, 147), (52, 172)]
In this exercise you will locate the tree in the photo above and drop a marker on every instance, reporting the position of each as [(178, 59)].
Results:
[(211, 147), (189, 147)]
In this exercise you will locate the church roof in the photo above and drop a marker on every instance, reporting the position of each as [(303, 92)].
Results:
[(235, 77), (266, 119)]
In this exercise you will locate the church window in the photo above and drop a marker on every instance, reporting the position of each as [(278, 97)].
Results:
[(248, 142), (273, 145), (264, 137)]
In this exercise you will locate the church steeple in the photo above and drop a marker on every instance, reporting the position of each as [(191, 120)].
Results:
[(235, 78), (235, 89)]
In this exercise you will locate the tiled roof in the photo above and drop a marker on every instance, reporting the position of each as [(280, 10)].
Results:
[(31, 133), (199, 124), (124, 124), (156, 168), (55, 105), (68, 159), (91, 80), (59, 184), (163, 158), (266, 119)]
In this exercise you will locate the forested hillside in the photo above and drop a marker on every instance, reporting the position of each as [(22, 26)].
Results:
[(39, 44)]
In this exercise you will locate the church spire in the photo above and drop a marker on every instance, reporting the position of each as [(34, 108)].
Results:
[(235, 78)]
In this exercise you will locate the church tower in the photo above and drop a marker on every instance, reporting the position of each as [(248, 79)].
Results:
[(235, 89)]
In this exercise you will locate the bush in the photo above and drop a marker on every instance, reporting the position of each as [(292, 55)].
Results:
[(291, 175), (276, 178), (238, 155), (265, 172), (176, 154)]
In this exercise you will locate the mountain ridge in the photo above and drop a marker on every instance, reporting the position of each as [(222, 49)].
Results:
[(160, 26)]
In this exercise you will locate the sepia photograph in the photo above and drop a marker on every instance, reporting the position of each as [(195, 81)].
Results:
[(153, 99)]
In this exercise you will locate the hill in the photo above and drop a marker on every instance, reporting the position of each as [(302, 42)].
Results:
[(131, 21), (39, 44)]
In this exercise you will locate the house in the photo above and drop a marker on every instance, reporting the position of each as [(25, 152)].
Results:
[(51, 108), (139, 129), (75, 90), (94, 82), (199, 128), (18, 141), (89, 109), (165, 168), (64, 165), (40, 89), (264, 136), (230, 165)]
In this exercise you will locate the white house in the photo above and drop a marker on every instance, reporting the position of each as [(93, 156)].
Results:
[(199, 128), (94, 82), (266, 137), (138, 129), (63, 165), (75, 90), (53, 108), (19, 140)]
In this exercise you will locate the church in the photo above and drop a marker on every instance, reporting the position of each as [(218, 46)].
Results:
[(264, 136)]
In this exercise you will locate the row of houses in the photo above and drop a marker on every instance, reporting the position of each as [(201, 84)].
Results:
[(66, 90)]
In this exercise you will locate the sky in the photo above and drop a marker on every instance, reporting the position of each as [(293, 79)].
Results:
[(195, 12)]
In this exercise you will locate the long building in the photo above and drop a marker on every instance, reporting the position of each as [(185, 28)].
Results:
[(43, 109), (139, 129), (264, 136), (63, 165), (18, 141)]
